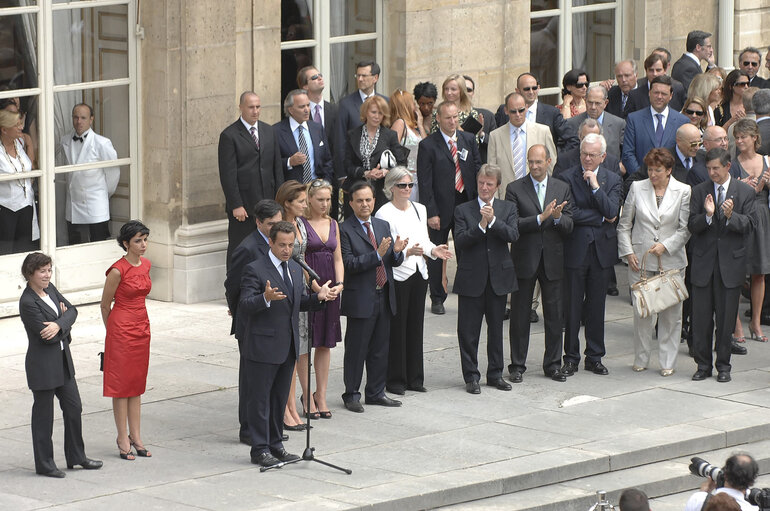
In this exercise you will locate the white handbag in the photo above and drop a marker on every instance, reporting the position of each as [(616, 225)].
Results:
[(387, 160), (658, 292)]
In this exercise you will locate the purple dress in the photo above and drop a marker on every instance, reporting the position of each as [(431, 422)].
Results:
[(327, 331)]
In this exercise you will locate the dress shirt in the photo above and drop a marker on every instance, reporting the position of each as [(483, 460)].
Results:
[(763, 118), (664, 113), (544, 182), (523, 134), (78, 148), (47, 300), (412, 224), (364, 97), (249, 126), (453, 137), (481, 205), (532, 112), (683, 158), (693, 57), (293, 125), (695, 503), (600, 119), (724, 185), (277, 263), (321, 112), (12, 193)]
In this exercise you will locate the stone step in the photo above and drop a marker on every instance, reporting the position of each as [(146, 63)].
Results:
[(670, 480)]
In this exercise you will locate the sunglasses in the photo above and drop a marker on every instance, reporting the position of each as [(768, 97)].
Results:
[(693, 112), (695, 144), (582, 84), (746, 63), (316, 76), (469, 90), (741, 84), (404, 186), (316, 183), (517, 110), (529, 89)]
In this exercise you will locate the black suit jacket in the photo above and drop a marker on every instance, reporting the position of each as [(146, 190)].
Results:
[(248, 174), (336, 146), (252, 247), (764, 132), (44, 365), (551, 117), (354, 161), (483, 256), (322, 156), (490, 124), (615, 105), (684, 70), (436, 173), (544, 241), (360, 260), (569, 159), (760, 82), (727, 238), (588, 213), (349, 113), (639, 98)]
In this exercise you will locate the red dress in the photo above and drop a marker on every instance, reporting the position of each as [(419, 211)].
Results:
[(127, 345)]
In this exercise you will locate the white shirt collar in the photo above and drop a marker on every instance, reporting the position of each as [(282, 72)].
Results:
[(694, 57), (535, 182), (681, 155), (364, 96), (447, 137), (276, 262), (293, 124), (313, 105), (514, 129), (724, 185), (249, 126), (664, 113), (482, 204)]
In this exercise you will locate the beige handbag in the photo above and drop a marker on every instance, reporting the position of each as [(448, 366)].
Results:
[(659, 292)]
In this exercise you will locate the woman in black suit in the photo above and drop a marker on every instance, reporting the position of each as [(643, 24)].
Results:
[(366, 144), (48, 318)]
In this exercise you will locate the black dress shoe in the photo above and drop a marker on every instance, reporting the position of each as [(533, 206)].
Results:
[(437, 308), (53, 473), (517, 377), (701, 375), (533, 317), (383, 401), (737, 349), (472, 387), (296, 427), (284, 437), (569, 368), (88, 464), (355, 406), (596, 368), (723, 376), (556, 375), (265, 459), (283, 455), (499, 384), (396, 390), (612, 291), (417, 388), (507, 314)]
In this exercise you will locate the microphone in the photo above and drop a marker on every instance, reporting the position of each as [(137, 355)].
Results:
[(308, 269)]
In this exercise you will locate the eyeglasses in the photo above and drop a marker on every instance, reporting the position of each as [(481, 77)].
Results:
[(582, 84), (747, 63), (404, 186), (517, 110), (357, 75), (741, 84), (696, 143), (590, 155), (693, 112), (529, 89), (316, 76)]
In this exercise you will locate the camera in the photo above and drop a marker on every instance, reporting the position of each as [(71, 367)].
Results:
[(701, 467), (759, 497)]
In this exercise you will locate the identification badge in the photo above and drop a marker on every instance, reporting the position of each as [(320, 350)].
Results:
[(464, 154)]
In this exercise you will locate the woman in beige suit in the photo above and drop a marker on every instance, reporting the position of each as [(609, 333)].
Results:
[(654, 221)]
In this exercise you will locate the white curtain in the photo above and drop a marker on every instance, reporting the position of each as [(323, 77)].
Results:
[(579, 42), (340, 52)]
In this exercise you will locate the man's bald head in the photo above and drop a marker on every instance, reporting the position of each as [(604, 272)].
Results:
[(688, 139), (714, 136)]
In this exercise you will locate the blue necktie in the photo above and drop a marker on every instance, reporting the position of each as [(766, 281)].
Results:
[(287, 280), (659, 130)]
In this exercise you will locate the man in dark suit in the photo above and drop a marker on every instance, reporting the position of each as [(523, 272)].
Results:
[(447, 162), (490, 123), (639, 98), (761, 104), (272, 294), (749, 60), (625, 76), (369, 254), (654, 126), (367, 75), (721, 218), (485, 276), (249, 168), (688, 66), (612, 126), (568, 159), (256, 245), (593, 250), (303, 144), (545, 219)]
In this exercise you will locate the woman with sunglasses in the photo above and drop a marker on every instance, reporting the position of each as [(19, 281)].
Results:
[(731, 108), (408, 219), (407, 122), (574, 88), (696, 110), (707, 86)]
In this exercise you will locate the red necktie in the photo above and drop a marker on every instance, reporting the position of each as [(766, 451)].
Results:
[(459, 185), (382, 279)]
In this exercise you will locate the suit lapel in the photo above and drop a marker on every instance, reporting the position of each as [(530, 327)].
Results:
[(292, 142), (669, 198), (529, 189), (650, 125), (509, 152), (647, 198), (47, 311), (246, 135)]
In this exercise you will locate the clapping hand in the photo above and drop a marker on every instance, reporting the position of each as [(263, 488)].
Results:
[(487, 215), (442, 252), (273, 293), (727, 208), (708, 205), (384, 246), (400, 244), (557, 209), (415, 249)]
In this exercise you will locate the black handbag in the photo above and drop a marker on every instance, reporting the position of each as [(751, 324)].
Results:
[(101, 361)]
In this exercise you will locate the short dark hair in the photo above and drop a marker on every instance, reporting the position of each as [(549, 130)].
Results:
[(633, 500), (659, 156), (282, 226), (664, 79), (661, 49), (34, 262), (302, 76), (571, 77), (129, 230), (375, 67), (722, 502), (90, 108), (360, 185), (425, 89), (652, 58), (740, 469), (267, 208), (695, 38), (749, 49), (717, 153)]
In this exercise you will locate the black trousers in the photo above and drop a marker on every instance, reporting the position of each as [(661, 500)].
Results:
[(366, 344), (470, 311), (16, 231), (237, 232), (521, 300), (405, 357), (440, 237), (42, 426), (84, 233), (586, 283), (243, 398), (709, 303)]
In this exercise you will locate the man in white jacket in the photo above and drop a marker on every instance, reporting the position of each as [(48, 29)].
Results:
[(87, 209)]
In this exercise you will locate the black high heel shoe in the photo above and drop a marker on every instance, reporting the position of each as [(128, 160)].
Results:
[(324, 414), (140, 450), (311, 415), (125, 455)]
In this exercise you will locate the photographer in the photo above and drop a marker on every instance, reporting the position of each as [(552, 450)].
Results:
[(633, 500), (740, 470)]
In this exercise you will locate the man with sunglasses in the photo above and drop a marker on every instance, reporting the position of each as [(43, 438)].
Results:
[(698, 48), (749, 61)]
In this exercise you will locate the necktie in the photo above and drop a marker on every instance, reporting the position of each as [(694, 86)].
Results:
[(659, 130), (253, 131), (624, 98), (307, 171), (518, 154), (382, 279), (687, 163), (541, 195), (720, 198), (287, 279), (317, 115), (79, 139), (459, 185)]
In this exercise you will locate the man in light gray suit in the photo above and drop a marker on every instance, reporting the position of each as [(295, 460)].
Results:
[(612, 126)]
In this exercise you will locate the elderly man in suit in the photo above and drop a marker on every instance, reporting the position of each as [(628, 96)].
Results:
[(249, 168), (698, 48), (485, 276), (87, 209), (593, 250), (651, 127), (545, 219), (447, 162), (612, 126), (369, 254), (761, 104), (721, 218), (617, 96), (303, 144), (655, 65), (272, 294), (508, 144)]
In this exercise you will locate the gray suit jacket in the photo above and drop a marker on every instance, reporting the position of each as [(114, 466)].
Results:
[(613, 128)]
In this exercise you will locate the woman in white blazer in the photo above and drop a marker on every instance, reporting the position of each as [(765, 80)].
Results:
[(654, 221)]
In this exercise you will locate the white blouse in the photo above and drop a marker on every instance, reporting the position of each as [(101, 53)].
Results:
[(16, 193), (412, 224)]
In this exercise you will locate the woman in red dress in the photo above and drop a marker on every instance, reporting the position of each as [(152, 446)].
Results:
[(127, 344)]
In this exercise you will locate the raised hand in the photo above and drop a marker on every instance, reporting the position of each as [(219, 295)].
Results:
[(384, 246), (708, 205), (442, 252), (557, 209), (273, 293)]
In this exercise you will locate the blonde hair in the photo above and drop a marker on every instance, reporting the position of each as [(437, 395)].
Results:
[(381, 104), (464, 103), (703, 85), (9, 119), (315, 186)]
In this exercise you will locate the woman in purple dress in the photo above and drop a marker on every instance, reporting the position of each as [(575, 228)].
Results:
[(323, 254)]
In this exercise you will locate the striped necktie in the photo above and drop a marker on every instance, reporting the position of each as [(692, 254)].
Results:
[(307, 171), (459, 185), (518, 154)]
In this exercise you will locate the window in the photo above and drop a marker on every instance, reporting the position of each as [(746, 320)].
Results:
[(573, 34)]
